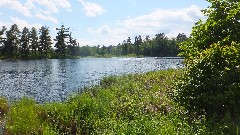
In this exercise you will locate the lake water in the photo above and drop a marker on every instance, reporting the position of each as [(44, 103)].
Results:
[(55, 79)]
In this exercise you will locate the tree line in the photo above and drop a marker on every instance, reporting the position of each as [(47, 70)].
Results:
[(160, 45), (38, 44)]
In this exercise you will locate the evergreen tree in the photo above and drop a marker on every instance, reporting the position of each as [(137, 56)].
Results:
[(34, 40), (2, 32), (45, 41), (130, 46), (2, 40), (160, 44), (61, 44), (11, 44), (147, 46), (24, 45), (138, 41), (72, 45), (124, 48)]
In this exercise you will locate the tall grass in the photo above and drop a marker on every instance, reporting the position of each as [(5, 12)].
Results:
[(129, 104)]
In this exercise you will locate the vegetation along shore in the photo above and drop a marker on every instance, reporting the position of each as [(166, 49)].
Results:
[(129, 104), (201, 98)]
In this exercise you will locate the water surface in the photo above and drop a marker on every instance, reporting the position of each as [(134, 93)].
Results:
[(55, 79)]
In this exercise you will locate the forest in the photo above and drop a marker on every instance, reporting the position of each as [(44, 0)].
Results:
[(38, 44)]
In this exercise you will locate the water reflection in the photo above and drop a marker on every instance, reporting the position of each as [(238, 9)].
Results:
[(54, 80)]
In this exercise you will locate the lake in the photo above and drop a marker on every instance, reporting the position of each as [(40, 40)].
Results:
[(55, 79)]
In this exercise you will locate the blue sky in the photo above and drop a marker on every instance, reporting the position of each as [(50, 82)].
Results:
[(105, 22)]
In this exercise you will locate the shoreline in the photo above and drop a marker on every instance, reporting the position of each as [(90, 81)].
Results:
[(126, 104)]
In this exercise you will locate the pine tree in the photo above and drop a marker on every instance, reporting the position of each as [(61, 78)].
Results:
[(45, 41), (24, 45), (138, 41), (34, 40), (12, 42), (72, 45), (2, 40), (61, 44)]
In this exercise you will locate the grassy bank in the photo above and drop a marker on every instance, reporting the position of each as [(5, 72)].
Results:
[(131, 104)]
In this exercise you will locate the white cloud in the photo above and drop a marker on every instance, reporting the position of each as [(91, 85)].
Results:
[(29, 4), (171, 22), (168, 21), (106, 42), (23, 23), (46, 18), (43, 12), (105, 35), (51, 6), (62, 3), (15, 5), (106, 30), (43, 9), (92, 9)]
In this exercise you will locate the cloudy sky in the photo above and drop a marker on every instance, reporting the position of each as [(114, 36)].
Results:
[(104, 22)]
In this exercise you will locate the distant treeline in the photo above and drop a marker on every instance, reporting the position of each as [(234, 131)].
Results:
[(160, 45), (38, 44)]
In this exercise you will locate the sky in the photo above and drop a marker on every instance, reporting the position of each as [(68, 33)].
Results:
[(105, 22)]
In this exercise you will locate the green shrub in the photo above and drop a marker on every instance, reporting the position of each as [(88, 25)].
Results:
[(23, 119), (59, 116), (210, 83)]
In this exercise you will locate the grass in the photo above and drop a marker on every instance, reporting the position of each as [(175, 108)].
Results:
[(129, 104)]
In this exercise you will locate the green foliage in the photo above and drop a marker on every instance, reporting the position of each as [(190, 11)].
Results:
[(34, 41), (160, 45), (22, 118), (59, 116), (4, 107), (130, 104), (45, 41), (61, 43), (17, 45), (38, 45), (210, 84), (24, 45), (11, 44)]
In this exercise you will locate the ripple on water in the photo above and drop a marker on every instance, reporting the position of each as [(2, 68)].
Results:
[(54, 80)]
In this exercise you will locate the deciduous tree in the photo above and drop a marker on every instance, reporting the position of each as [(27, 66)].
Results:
[(211, 83)]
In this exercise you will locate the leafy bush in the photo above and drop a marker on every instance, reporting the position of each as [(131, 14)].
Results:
[(212, 84), (211, 81), (22, 118)]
